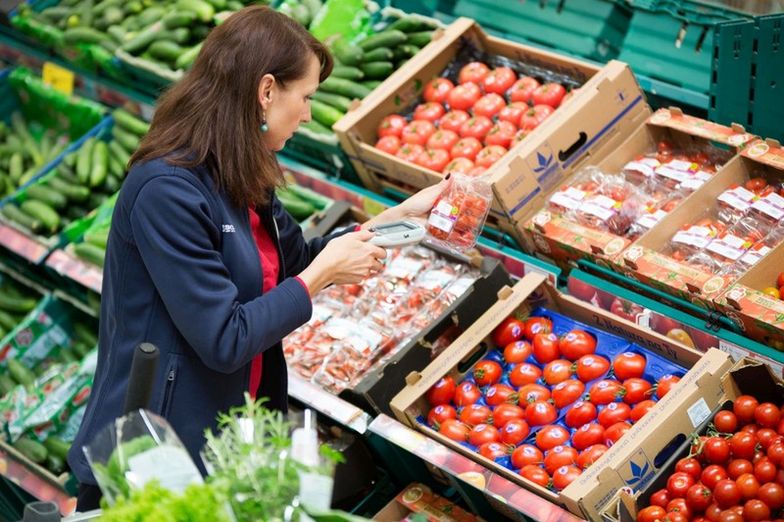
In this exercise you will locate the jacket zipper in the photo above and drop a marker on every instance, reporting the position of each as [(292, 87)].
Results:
[(167, 392)]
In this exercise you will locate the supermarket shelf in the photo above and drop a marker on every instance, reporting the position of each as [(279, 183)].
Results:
[(70, 266), (22, 244), (327, 404), (36, 485)]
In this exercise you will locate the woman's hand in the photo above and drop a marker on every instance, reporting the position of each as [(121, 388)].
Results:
[(346, 259), (415, 208)]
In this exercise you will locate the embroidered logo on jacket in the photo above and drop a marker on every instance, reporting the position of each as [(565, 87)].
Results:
[(227, 228)]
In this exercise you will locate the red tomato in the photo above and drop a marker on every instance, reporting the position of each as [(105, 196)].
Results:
[(519, 136), (772, 494), (536, 475), (534, 116), (679, 506), (717, 450), (567, 392), (637, 390), (766, 437), (580, 413), (625, 309), (517, 352), (439, 414), (477, 171), (742, 445), (535, 325), (418, 132), (576, 344), (476, 127), (482, 434), (466, 148), (430, 111), (588, 435), (389, 144), (526, 454), (776, 453), (613, 413), (748, 485), (590, 455), (523, 89), (549, 94), (463, 97), (513, 112), (564, 476), (557, 371), (487, 372), (514, 432), (755, 510), (437, 90), (467, 393), (725, 421), (767, 415), (410, 152), (665, 384), (765, 470), (499, 80), (660, 498), (433, 159), (679, 483), (453, 120), (691, 466), (539, 413), (640, 409), (651, 514), (489, 155), (698, 498), (454, 429), (441, 392), (738, 467), (546, 347), (461, 165), (501, 134), (629, 364), (489, 105), (726, 493), (503, 413), (551, 436), (391, 125), (615, 432), (443, 139), (560, 456), (744, 407), (605, 392), (509, 331), (473, 72), (474, 414), (525, 373), (590, 367), (497, 394), (493, 450)]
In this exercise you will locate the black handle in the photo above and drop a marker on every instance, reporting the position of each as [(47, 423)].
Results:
[(145, 361)]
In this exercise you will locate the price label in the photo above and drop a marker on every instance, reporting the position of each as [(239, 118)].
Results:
[(58, 78)]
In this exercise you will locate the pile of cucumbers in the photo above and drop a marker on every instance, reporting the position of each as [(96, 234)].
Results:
[(80, 182), (300, 202), (21, 155), (15, 303)]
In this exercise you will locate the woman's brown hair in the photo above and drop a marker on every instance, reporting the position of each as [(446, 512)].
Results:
[(212, 116)]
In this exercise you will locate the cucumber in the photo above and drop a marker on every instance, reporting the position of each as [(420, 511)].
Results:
[(344, 88), (299, 210), (371, 84), (134, 7), (83, 161), (389, 38), (143, 39), (117, 33), (113, 16), (128, 141), (348, 53), (7, 321), (380, 54), (186, 59), (56, 13), (90, 253), (314, 126), (177, 19), (165, 50), (325, 114), (19, 305), (116, 168), (305, 195), (15, 166), (12, 212), (70, 160), (21, 374), (30, 448), (204, 11), (377, 70), (178, 36), (347, 72), (219, 5), (48, 195), (88, 35), (98, 238), (100, 164), (43, 213), (28, 175), (73, 192), (111, 184), (335, 100), (234, 5), (405, 51), (151, 15), (129, 122), (420, 39), (7, 384), (410, 24), (118, 153), (85, 334), (55, 464)]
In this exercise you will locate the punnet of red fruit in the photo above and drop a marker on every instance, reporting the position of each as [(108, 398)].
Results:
[(734, 472), (549, 397), (469, 118)]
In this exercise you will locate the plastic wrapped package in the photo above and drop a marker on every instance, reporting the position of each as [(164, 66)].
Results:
[(769, 206), (692, 238), (660, 202), (734, 202), (614, 206), (576, 190), (722, 254), (774, 238), (459, 214)]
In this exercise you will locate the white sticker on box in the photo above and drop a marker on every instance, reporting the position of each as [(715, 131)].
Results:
[(695, 236), (683, 166), (729, 246), (677, 175), (604, 201), (698, 412), (574, 193), (597, 210), (404, 268), (702, 175), (732, 199), (775, 199), (769, 209), (443, 217), (753, 256), (649, 220), (563, 200), (692, 184), (640, 166)]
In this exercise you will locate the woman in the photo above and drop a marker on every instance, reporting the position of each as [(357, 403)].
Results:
[(202, 259)]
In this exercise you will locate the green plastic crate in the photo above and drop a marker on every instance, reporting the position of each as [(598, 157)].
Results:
[(768, 78)]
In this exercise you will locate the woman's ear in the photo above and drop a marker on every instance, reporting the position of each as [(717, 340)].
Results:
[(266, 88)]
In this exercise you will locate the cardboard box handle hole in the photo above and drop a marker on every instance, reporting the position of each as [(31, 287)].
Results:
[(564, 155), (466, 364)]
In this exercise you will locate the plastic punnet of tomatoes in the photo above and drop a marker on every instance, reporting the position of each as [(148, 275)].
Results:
[(660, 202), (694, 237), (684, 169), (722, 254), (774, 238), (549, 397), (614, 206), (459, 214), (575, 191)]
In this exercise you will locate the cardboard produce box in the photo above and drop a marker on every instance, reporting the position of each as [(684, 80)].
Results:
[(607, 107), (418, 498), (594, 488), (645, 259), (565, 241)]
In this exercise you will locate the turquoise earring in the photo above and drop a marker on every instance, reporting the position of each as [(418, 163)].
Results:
[(264, 127)]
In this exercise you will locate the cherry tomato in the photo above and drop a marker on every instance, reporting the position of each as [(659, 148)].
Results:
[(526, 454), (567, 392), (730, 515), (743, 444), (576, 344), (560, 456), (433, 159), (430, 111), (713, 512), (551, 436), (536, 475), (501, 134), (523, 89), (476, 127), (680, 506), (628, 365), (766, 437), (461, 165), (535, 116), (483, 433), (503, 413), (499, 80), (467, 393), (660, 498), (679, 483), (389, 144), (698, 498), (557, 371), (738, 467), (439, 414), (453, 120), (549, 94), (410, 152), (717, 450), (514, 432), (391, 125), (756, 184), (487, 372), (473, 72), (454, 429), (591, 454), (466, 148), (613, 413), (725, 421), (588, 435), (418, 132), (437, 90), (691, 466), (640, 409), (604, 391), (564, 476), (463, 97), (474, 414), (637, 390), (442, 139), (615, 432), (772, 494), (776, 453), (651, 514), (539, 413), (744, 407), (726, 493), (513, 112), (665, 384), (517, 352), (441, 392), (748, 485), (755, 510), (767, 415), (500, 393), (525, 373), (493, 450), (591, 367), (765, 470), (712, 475), (488, 156), (535, 325), (546, 347)]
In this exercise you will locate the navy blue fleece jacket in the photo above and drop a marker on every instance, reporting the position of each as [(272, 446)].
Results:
[(182, 271)]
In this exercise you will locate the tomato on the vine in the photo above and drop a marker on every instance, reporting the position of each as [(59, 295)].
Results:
[(767, 415), (441, 392), (725, 421), (743, 444), (637, 390), (717, 450), (651, 514), (744, 407), (765, 470), (699, 497), (691, 466), (560, 456), (567, 392), (755, 509), (660, 498), (679, 483), (772, 494), (524, 373), (738, 467), (605, 392), (526, 454), (580, 413), (533, 392), (712, 475), (576, 344), (628, 365), (748, 485)]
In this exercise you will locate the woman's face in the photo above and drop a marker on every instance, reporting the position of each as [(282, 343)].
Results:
[(287, 107)]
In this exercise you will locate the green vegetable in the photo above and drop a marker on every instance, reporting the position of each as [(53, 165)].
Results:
[(380, 54), (57, 447), (165, 50), (20, 373), (179, 19), (410, 24), (389, 38), (43, 213), (14, 304), (324, 114), (48, 195), (377, 70), (90, 253), (7, 321), (203, 10), (344, 88), (186, 59), (31, 449), (83, 161), (335, 100), (15, 214), (73, 192), (100, 164), (347, 53), (347, 72), (129, 142), (420, 39)]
